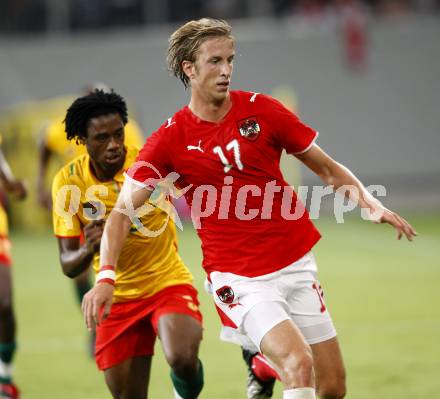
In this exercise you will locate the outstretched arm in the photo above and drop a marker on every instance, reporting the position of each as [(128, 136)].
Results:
[(337, 175), (116, 229)]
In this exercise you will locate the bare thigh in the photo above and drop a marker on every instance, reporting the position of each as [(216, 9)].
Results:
[(180, 336), (5, 285), (286, 348), (7, 317), (129, 379)]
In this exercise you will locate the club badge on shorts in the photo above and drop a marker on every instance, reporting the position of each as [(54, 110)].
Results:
[(225, 294), (249, 128)]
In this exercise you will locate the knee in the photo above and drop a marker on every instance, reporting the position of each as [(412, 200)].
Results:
[(5, 304), (297, 369), (125, 392), (334, 389), (184, 364)]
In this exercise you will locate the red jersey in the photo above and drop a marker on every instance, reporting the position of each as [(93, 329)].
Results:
[(237, 192)]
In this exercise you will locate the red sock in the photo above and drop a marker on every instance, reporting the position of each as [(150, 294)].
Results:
[(262, 369)]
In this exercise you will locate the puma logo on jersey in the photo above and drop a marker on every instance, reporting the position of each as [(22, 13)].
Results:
[(170, 122), (254, 96), (195, 147)]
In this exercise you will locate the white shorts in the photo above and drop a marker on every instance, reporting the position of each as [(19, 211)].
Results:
[(251, 306)]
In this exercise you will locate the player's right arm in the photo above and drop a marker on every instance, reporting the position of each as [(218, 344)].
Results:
[(76, 258), (117, 226)]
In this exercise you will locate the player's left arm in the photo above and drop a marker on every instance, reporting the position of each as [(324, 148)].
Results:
[(337, 175)]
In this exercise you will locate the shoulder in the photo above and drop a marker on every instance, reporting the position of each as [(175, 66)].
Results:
[(254, 99), (172, 124), (71, 172)]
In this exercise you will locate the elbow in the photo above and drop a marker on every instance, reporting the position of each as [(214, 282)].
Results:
[(68, 270), (326, 175), (331, 174), (69, 273)]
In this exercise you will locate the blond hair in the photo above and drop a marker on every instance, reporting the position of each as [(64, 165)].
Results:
[(185, 42)]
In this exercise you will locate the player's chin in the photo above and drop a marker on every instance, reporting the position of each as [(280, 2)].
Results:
[(114, 164), (221, 94)]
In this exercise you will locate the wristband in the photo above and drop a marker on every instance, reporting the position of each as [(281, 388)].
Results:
[(106, 280), (106, 275)]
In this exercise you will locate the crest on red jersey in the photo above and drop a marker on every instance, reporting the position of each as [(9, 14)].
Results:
[(249, 128), (225, 294)]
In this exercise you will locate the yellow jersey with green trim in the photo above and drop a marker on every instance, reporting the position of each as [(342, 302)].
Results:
[(146, 264), (56, 140)]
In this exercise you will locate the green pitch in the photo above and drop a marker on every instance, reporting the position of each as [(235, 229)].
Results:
[(383, 295)]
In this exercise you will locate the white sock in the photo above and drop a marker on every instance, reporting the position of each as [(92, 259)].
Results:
[(5, 370), (299, 393)]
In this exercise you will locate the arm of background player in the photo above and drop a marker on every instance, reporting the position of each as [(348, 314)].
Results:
[(116, 230), (44, 156), (337, 175), (11, 184), (74, 257)]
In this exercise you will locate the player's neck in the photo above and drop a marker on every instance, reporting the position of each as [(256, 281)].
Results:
[(102, 174), (210, 111)]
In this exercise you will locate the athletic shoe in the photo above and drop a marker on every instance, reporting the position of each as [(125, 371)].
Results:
[(256, 389), (9, 391)]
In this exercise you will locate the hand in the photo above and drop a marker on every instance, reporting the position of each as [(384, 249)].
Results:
[(398, 222), (93, 233), (18, 188), (98, 299)]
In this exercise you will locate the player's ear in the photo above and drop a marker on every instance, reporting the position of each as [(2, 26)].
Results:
[(188, 69), (81, 140)]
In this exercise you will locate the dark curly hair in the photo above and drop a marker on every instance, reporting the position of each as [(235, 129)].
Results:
[(95, 104)]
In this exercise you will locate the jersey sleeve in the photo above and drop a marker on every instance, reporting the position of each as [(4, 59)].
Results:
[(65, 199), (153, 162), (289, 132)]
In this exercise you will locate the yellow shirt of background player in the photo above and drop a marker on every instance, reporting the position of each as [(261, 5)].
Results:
[(5, 246), (57, 142), (147, 264)]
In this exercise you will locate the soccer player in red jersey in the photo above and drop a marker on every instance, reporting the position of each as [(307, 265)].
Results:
[(224, 149)]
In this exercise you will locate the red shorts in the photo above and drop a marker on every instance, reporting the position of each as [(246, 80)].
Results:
[(131, 328)]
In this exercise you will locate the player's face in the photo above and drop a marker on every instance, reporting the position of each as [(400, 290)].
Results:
[(212, 70), (105, 144)]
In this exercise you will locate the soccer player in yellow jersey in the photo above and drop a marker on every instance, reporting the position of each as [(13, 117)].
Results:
[(55, 145), (153, 290), (8, 389)]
